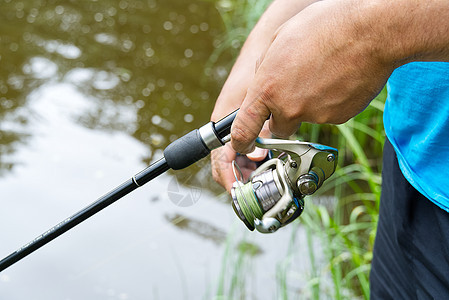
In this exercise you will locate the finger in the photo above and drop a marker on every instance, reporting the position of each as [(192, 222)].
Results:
[(259, 154), (283, 126), (221, 159), (246, 167), (248, 123)]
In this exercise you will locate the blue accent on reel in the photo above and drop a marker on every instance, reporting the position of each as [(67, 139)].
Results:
[(296, 202), (323, 147)]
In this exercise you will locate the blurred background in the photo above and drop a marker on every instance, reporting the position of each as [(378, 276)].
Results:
[(93, 91)]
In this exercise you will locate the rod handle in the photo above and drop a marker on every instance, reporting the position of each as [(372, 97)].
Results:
[(185, 151)]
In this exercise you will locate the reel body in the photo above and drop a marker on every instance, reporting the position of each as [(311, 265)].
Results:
[(274, 194)]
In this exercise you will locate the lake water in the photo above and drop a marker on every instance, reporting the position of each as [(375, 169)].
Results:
[(90, 93)]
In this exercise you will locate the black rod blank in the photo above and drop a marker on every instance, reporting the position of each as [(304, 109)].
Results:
[(223, 126), (152, 171)]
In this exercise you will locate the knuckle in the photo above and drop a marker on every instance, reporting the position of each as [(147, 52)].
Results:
[(322, 118), (216, 175), (217, 167), (219, 159), (283, 131), (294, 115), (240, 137), (254, 112), (331, 118), (267, 93), (264, 91)]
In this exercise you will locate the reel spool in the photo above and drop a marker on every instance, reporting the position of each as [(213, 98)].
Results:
[(274, 194)]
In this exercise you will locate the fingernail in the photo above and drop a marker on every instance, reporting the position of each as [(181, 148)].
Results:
[(258, 154)]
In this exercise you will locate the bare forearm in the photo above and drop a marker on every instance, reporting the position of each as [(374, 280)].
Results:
[(403, 31)]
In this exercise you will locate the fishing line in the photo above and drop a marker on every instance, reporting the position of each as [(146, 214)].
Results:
[(250, 208)]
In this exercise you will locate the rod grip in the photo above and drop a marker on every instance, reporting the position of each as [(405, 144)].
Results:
[(185, 151)]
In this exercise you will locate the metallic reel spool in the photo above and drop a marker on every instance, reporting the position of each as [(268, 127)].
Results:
[(274, 194), (265, 189)]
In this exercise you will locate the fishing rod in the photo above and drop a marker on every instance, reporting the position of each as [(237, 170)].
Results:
[(271, 198), (180, 154)]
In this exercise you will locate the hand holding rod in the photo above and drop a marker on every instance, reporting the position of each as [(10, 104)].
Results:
[(183, 152)]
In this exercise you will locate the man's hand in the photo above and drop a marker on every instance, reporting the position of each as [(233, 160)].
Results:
[(329, 61), (235, 87), (315, 70)]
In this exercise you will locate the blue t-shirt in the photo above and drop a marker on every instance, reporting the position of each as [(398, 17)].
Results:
[(416, 120)]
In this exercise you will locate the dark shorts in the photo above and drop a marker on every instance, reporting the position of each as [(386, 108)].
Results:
[(411, 250)]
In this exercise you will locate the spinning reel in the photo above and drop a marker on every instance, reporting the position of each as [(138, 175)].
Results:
[(274, 194)]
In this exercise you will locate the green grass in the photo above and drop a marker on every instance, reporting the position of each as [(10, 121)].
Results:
[(236, 266), (347, 228), (344, 227), (238, 17)]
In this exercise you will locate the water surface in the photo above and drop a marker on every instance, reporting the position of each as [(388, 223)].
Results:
[(90, 93)]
